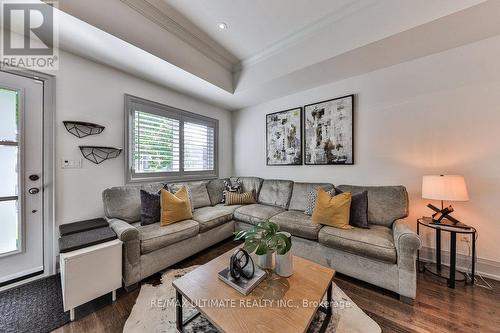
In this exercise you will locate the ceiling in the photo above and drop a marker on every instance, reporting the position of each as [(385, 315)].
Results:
[(272, 48), (255, 25)]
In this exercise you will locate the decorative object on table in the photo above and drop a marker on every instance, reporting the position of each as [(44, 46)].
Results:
[(99, 154), (284, 262), (329, 129), (331, 210), (265, 239), (82, 129), (241, 265), (450, 273), (358, 214), (242, 274), (346, 317), (444, 188), (284, 137)]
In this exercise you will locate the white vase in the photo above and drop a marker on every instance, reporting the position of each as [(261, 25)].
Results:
[(284, 263), (265, 261)]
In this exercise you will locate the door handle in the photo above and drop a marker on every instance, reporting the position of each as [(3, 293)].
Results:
[(33, 190)]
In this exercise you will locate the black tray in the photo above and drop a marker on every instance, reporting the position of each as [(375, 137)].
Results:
[(85, 239), (73, 228)]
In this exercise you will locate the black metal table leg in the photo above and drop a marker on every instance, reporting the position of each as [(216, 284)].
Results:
[(327, 310), (178, 311), (473, 278), (438, 249), (418, 251), (453, 259)]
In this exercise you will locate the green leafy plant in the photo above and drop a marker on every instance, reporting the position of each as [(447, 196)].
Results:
[(264, 238)]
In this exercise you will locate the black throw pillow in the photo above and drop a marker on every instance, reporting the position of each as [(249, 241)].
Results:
[(150, 208), (359, 209)]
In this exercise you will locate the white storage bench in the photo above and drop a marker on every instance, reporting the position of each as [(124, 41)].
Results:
[(89, 273)]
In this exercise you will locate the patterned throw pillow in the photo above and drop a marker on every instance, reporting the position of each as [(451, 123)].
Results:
[(311, 200), (234, 198), (231, 187)]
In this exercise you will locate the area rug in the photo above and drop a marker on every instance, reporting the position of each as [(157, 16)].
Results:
[(34, 307), (153, 312)]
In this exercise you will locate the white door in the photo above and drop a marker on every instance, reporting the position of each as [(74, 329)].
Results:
[(21, 178)]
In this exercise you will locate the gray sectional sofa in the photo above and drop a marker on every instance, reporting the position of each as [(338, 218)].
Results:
[(383, 255)]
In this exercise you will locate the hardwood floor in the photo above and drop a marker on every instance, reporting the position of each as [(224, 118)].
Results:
[(436, 309)]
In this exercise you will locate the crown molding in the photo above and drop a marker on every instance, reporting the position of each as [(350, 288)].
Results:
[(303, 34), (157, 16)]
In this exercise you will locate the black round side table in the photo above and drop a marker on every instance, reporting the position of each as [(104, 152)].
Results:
[(450, 273)]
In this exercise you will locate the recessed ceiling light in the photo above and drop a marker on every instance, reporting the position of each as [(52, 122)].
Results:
[(222, 26)]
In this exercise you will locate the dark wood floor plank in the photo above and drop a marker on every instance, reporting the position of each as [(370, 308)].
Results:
[(437, 308)]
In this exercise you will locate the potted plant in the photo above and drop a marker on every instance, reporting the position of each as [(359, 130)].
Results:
[(265, 239)]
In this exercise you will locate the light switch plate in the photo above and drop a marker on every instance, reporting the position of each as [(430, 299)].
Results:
[(71, 164)]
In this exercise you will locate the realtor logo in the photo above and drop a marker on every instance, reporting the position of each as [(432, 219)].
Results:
[(28, 38)]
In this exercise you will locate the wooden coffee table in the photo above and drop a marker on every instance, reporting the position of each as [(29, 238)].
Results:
[(276, 305)]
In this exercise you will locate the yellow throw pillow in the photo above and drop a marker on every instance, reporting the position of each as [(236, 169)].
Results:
[(333, 211), (234, 198), (175, 207)]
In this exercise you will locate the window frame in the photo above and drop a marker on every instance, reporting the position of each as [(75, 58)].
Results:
[(133, 103)]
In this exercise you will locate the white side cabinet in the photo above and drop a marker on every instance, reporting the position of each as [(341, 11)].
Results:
[(89, 273)]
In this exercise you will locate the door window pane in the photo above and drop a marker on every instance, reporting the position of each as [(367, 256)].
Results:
[(9, 235), (8, 115), (8, 171)]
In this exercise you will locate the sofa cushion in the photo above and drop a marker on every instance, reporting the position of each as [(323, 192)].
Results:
[(300, 191), (255, 213), (211, 217), (231, 207), (215, 188), (297, 223), (376, 242), (154, 237), (124, 202), (275, 192), (249, 184), (385, 203)]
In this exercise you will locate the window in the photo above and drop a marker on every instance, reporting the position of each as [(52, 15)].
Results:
[(165, 143)]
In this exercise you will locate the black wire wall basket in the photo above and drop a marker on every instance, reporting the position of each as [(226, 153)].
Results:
[(99, 154), (82, 129)]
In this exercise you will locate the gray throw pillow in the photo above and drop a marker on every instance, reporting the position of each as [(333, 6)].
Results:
[(311, 200), (359, 209), (150, 208)]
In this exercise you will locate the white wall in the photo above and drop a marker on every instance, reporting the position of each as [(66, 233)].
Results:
[(437, 114), (91, 92)]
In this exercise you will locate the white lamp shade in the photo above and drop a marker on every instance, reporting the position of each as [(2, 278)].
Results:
[(444, 187)]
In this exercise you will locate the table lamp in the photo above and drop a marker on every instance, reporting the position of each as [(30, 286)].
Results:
[(444, 188)]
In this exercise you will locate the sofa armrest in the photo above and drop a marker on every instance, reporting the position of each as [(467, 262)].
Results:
[(405, 239), (125, 231), (129, 235), (407, 243)]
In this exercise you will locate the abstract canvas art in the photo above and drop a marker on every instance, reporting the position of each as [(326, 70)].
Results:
[(284, 137), (329, 131)]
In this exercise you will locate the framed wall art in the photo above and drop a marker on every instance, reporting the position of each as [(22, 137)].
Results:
[(284, 137), (329, 132)]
